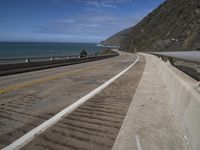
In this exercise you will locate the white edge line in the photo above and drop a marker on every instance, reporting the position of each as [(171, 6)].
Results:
[(139, 147), (25, 139)]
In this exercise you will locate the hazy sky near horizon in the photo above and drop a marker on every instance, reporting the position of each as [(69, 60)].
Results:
[(69, 20)]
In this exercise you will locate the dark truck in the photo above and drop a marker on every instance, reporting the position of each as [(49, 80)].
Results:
[(83, 54)]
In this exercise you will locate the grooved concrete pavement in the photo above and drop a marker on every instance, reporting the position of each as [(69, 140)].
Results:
[(33, 97), (95, 124)]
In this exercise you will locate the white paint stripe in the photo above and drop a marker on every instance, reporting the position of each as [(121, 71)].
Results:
[(19, 143), (139, 147)]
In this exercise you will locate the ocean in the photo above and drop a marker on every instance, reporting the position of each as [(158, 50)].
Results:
[(39, 49)]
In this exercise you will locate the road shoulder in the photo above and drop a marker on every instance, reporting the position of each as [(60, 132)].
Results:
[(150, 123)]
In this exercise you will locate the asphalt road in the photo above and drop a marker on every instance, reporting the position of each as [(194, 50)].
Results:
[(28, 99)]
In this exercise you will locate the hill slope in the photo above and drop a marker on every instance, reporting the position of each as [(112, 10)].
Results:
[(117, 39), (174, 25)]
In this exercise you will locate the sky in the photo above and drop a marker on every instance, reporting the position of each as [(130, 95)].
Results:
[(69, 20)]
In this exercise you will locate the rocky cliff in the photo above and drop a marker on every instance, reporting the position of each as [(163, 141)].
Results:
[(173, 26)]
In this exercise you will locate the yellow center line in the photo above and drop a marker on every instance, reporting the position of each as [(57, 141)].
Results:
[(49, 78)]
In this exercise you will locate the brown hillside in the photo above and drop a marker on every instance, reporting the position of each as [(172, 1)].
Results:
[(174, 25)]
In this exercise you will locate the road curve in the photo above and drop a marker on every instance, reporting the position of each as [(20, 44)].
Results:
[(29, 99)]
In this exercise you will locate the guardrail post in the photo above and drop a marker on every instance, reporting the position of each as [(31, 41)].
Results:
[(162, 58), (27, 60), (198, 86), (171, 60)]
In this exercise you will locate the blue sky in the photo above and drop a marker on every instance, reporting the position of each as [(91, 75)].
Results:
[(69, 20)]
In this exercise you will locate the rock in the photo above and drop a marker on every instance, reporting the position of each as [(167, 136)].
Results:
[(173, 18)]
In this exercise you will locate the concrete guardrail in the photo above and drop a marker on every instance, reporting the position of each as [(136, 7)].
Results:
[(185, 99), (32, 64)]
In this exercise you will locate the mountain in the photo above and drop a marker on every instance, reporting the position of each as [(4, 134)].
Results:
[(173, 26), (116, 39)]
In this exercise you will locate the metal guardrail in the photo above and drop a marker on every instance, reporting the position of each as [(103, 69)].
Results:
[(40, 59), (19, 65), (190, 56), (186, 61)]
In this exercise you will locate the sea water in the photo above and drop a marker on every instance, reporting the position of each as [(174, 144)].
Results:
[(33, 49)]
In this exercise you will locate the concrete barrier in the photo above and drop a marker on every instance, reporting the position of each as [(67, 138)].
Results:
[(7, 69), (185, 99)]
